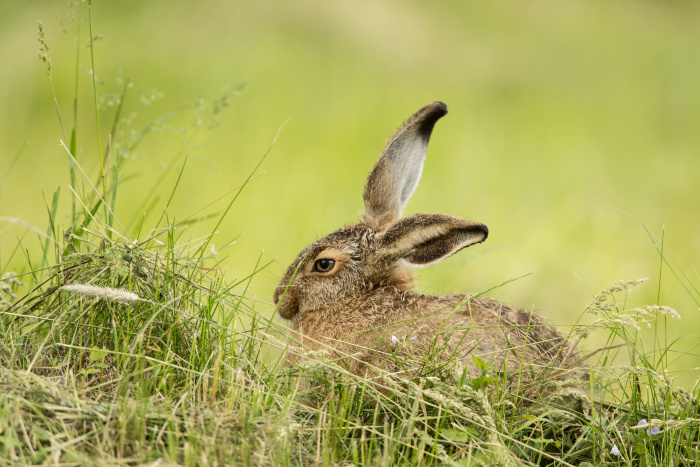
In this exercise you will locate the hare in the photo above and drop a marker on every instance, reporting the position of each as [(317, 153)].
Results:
[(349, 293)]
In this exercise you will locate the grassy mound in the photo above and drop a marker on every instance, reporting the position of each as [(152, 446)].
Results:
[(129, 354)]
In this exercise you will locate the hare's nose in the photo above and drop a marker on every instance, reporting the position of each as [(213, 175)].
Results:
[(278, 293), (280, 290), (286, 301)]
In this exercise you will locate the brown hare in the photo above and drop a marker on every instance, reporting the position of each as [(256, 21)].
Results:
[(349, 294)]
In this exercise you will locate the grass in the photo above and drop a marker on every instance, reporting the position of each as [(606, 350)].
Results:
[(124, 342), (161, 360)]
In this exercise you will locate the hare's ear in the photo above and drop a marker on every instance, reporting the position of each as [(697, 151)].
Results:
[(425, 239), (397, 172)]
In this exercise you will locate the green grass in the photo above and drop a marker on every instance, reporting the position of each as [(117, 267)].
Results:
[(179, 369), (175, 357)]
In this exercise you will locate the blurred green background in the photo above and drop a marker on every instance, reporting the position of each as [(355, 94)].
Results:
[(566, 119)]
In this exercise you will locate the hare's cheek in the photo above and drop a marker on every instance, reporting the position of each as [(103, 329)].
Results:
[(340, 289)]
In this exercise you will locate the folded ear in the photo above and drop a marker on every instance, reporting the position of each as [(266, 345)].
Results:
[(397, 172), (425, 239)]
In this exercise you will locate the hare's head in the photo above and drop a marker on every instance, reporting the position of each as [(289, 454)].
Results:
[(356, 260)]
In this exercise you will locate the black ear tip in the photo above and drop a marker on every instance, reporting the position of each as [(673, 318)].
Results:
[(483, 229), (435, 111), (431, 113), (441, 105)]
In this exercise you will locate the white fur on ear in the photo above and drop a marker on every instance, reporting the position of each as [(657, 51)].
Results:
[(409, 168), (406, 264), (397, 172), (425, 239)]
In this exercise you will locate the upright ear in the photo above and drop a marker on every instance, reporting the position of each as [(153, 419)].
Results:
[(425, 239), (396, 174)]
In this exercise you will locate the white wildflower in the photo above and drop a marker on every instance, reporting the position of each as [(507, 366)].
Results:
[(652, 430), (615, 451)]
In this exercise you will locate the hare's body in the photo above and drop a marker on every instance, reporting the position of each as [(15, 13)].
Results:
[(350, 293), (361, 339)]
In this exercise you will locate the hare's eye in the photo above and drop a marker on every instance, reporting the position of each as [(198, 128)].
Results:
[(324, 265)]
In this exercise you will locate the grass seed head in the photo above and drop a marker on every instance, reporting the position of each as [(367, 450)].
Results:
[(107, 293)]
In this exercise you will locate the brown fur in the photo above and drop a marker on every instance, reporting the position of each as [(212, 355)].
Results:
[(363, 312)]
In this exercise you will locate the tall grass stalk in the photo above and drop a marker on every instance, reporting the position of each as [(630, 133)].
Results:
[(94, 92)]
